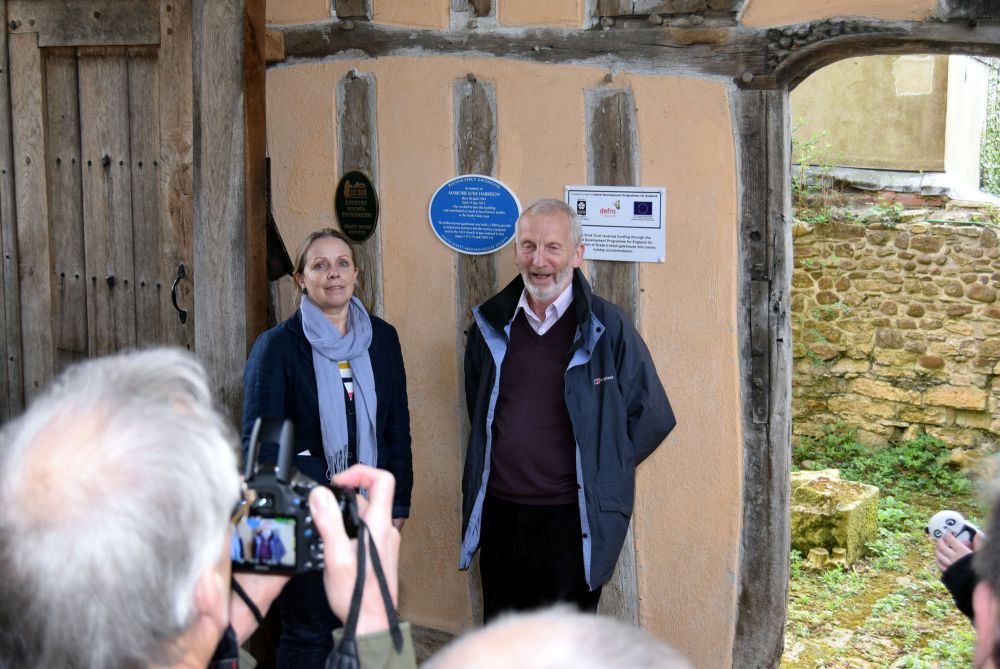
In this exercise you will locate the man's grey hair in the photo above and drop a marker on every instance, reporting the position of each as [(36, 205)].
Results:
[(558, 637), (116, 488), (551, 207)]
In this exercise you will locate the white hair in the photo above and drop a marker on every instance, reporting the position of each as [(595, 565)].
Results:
[(551, 207), (115, 493), (554, 638)]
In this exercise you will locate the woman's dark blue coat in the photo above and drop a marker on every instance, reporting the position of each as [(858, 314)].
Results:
[(279, 381)]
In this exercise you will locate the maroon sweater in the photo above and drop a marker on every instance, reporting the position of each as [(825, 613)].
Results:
[(534, 449)]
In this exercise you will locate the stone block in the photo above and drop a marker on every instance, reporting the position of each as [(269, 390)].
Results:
[(887, 338), (885, 391), (861, 406), (931, 361), (829, 513), (957, 397), (926, 243), (850, 366), (923, 415), (980, 293)]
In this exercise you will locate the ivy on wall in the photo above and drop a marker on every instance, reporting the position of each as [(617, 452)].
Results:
[(989, 157)]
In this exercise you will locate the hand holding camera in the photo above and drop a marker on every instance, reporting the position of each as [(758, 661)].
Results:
[(341, 553)]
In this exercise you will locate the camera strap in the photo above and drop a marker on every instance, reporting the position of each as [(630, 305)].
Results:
[(345, 656)]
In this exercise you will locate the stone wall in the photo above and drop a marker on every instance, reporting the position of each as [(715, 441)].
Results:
[(896, 330)]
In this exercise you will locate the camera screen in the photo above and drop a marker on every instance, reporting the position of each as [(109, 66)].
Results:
[(264, 541)]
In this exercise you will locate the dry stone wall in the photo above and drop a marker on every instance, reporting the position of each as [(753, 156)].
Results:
[(896, 331)]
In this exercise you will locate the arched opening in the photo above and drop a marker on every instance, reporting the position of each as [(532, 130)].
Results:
[(892, 345)]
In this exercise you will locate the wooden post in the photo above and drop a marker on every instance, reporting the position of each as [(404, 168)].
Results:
[(224, 242), (613, 160), (763, 136), (475, 153), (358, 142), (11, 378), (255, 166)]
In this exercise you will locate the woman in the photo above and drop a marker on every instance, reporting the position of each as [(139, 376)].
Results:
[(337, 373)]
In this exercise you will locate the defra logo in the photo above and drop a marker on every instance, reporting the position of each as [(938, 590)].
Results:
[(611, 211)]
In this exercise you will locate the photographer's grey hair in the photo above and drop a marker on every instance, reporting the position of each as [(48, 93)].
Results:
[(115, 493)]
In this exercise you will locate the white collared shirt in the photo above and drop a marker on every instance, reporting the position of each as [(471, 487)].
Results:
[(553, 312)]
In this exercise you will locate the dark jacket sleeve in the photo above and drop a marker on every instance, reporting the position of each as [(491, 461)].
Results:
[(649, 415), (961, 580), (473, 368), (263, 388), (397, 431)]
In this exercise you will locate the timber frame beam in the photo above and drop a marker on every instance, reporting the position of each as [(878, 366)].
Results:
[(753, 58)]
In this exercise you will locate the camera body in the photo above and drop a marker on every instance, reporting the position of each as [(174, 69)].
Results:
[(278, 533)]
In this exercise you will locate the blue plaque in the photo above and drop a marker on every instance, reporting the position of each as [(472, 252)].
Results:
[(474, 214)]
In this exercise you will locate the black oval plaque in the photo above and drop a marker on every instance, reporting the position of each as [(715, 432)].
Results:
[(356, 206)]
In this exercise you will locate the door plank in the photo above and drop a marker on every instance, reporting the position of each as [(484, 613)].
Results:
[(11, 377), (151, 312), (62, 133), (34, 258), (174, 171), (86, 22), (107, 207)]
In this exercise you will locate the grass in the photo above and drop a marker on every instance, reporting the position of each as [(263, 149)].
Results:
[(889, 609)]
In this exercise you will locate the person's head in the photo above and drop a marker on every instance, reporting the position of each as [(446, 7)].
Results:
[(557, 637), (116, 489), (325, 269), (548, 246)]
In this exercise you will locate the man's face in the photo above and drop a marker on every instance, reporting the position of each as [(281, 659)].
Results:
[(546, 256), (984, 606)]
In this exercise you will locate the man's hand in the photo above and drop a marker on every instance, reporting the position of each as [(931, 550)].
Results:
[(948, 549), (341, 553)]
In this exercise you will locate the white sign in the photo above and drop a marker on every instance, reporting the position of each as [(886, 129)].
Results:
[(621, 222)]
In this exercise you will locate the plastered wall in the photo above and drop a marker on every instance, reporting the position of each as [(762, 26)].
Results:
[(687, 304), (781, 12), (689, 500), (886, 112)]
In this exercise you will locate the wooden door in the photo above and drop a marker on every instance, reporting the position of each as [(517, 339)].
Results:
[(101, 111), (111, 205)]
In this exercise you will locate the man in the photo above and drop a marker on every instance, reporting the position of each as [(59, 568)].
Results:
[(557, 637), (564, 402), (116, 493)]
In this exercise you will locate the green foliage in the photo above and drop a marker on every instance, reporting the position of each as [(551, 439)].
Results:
[(887, 213), (889, 609), (989, 155), (915, 465), (811, 150)]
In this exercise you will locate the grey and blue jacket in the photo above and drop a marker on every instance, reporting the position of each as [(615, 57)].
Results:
[(619, 410)]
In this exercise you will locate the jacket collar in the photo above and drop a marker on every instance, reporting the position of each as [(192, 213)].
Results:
[(499, 309)]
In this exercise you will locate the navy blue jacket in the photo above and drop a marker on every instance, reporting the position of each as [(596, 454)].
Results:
[(279, 382), (619, 410)]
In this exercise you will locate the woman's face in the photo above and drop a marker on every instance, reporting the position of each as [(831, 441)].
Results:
[(329, 274)]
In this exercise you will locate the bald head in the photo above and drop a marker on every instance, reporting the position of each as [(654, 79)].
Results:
[(557, 637)]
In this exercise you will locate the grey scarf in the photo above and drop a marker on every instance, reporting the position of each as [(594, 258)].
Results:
[(328, 349)]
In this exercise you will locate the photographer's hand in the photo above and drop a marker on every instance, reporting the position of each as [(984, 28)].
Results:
[(341, 553), (948, 549)]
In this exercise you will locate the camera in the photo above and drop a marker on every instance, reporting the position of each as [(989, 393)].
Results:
[(278, 533)]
